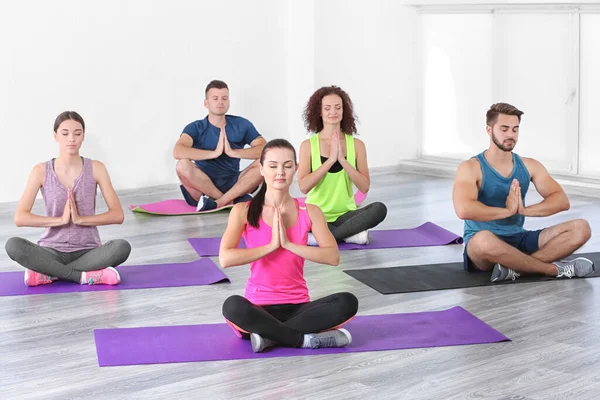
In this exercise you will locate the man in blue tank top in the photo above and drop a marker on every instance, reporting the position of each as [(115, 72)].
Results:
[(209, 152), (489, 195)]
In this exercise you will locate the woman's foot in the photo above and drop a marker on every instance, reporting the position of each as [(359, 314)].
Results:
[(33, 278), (106, 276)]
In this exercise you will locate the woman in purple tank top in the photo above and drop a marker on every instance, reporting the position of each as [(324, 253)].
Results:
[(70, 248), (276, 309)]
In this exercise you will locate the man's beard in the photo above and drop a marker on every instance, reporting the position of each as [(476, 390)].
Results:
[(504, 147)]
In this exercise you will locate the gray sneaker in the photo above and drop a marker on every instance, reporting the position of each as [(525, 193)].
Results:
[(332, 338), (578, 267), (260, 343), (500, 273)]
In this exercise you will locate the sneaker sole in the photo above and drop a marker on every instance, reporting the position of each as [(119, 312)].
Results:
[(255, 342)]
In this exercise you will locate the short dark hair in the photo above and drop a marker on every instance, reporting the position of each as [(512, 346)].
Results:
[(66, 116), (501, 108), (215, 84), (312, 111)]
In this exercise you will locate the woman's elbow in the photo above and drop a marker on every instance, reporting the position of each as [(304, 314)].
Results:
[(19, 220), (303, 188), (225, 263), (335, 259)]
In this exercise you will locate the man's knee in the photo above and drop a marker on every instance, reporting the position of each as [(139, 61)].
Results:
[(484, 244), (184, 168), (582, 230)]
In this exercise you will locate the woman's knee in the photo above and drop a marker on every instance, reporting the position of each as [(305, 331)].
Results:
[(121, 250), (235, 308), (379, 211), (15, 247), (348, 304)]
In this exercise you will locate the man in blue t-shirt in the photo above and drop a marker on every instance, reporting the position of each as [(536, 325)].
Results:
[(489, 195), (209, 152)]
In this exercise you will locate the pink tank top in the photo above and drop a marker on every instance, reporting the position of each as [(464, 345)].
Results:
[(278, 278), (70, 237)]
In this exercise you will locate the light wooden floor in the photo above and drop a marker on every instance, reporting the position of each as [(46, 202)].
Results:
[(47, 347)]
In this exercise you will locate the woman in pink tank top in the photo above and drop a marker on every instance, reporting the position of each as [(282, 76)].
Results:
[(70, 248), (276, 309)]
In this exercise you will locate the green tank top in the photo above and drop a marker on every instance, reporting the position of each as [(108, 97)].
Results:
[(334, 194)]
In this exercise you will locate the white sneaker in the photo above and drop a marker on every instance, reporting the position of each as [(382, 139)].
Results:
[(359, 238), (311, 240)]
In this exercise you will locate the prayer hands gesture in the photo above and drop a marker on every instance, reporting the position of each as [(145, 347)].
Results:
[(335, 149), (221, 143), (279, 235), (514, 201), (75, 217)]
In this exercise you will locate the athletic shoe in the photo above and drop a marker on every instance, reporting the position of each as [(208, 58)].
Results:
[(244, 198), (578, 267), (500, 273), (311, 240), (205, 203), (33, 278), (260, 343), (332, 338), (106, 276), (359, 238)]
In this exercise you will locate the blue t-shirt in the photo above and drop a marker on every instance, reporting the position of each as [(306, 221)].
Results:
[(240, 132)]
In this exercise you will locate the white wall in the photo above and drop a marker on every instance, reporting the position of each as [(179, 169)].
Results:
[(369, 49), (136, 71)]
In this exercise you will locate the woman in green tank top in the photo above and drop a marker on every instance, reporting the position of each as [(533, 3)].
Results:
[(332, 161)]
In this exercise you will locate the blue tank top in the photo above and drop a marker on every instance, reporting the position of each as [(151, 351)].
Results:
[(493, 192)]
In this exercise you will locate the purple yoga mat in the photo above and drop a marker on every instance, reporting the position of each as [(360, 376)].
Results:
[(199, 272), (428, 234), (188, 343)]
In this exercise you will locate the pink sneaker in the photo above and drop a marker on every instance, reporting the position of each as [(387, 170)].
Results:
[(106, 276), (33, 278)]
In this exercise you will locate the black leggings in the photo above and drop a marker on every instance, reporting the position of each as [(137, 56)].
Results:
[(358, 220), (286, 324)]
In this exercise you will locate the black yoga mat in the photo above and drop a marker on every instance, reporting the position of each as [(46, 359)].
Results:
[(420, 278)]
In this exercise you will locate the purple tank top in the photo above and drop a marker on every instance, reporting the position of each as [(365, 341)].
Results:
[(70, 237)]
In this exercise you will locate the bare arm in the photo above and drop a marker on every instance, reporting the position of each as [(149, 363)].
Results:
[(184, 151), (250, 153), (464, 196), (229, 254), (307, 179), (359, 175), (555, 198), (114, 215), (327, 252), (23, 214)]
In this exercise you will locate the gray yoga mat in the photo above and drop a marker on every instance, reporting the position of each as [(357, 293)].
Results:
[(420, 278)]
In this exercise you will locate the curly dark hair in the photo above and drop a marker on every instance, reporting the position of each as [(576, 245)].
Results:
[(312, 111)]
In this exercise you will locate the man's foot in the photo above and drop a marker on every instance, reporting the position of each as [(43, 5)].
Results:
[(205, 203), (578, 267), (106, 276), (332, 338), (311, 240), (359, 238), (500, 273), (260, 343), (244, 198), (33, 278)]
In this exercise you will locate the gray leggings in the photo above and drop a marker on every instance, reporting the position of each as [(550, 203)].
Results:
[(66, 266), (358, 220)]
